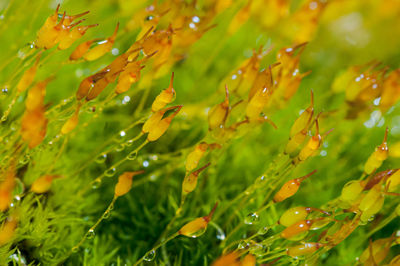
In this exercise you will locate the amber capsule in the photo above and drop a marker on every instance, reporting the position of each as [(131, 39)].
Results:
[(190, 181), (312, 145), (87, 84), (165, 97), (69, 19), (73, 35), (33, 127), (303, 249), (100, 85), (7, 230), (125, 183), (155, 118), (298, 228), (6, 188), (380, 249), (304, 119), (102, 48), (290, 188), (159, 129), (240, 18), (45, 30), (193, 158), (380, 177), (36, 94), (198, 226), (376, 159), (28, 76), (43, 184), (49, 39), (72, 122), (219, 113)]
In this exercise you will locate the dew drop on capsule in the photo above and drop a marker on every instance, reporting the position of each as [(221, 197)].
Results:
[(263, 230), (252, 218), (102, 158), (149, 256), (110, 172)]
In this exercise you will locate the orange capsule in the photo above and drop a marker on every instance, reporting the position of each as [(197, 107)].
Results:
[(72, 122), (73, 35), (7, 230), (231, 259), (35, 98), (190, 181), (380, 154), (43, 184), (155, 118), (69, 19), (193, 158), (219, 113), (102, 47), (47, 27), (159, 129), (297, 228), (303, 249), (34, 127), (6, 188), (290, 188), (165, 97), (81, 49), (100, 85), (125, 183), (48, 40), (198, 226), (240, 18), (390, 93), (249, 260), (28, 76)]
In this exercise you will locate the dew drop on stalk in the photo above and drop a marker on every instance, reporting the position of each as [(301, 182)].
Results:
[(75, 249), (132, 156), (251, 218), (96, 184), (263, 230), (110, 172), (107, 215), (243, 244), (120, 147), (129, 142), (149, 256), (25, 159), (102, 158), (90, 234)]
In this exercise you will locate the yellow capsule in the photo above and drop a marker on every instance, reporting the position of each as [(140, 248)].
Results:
[(125, 183), (312, 145), (257, 103), (351, 191), (304, 119), (72, 122), (240, 18), (165, 97), (102, 48), (193, 158), (7, 230), (219, 113), (290, 188), (371, 203), (198, 226), (35, 98), (161, 127), (152, 121), (294, 143), (393, 181), (48, 32), (395, 150), (190, 181), (376, 159), (294, 215), (81, 49), (28, 76), (303, 249), (249, 260), (43, 184)]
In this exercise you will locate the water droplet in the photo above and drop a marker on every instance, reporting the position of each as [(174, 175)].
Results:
[(90, 234), (110, 172), (120, 147), (197, 233), (25, 159), (111, 207), (221, 235), (102, 158), (132, 156), (3, 118), (129, 142), (106, 215), (252, 218), (146, 163), (149, 256), (243, 244), (263, 230), (19, 187), (75, 249), (96, 183)]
